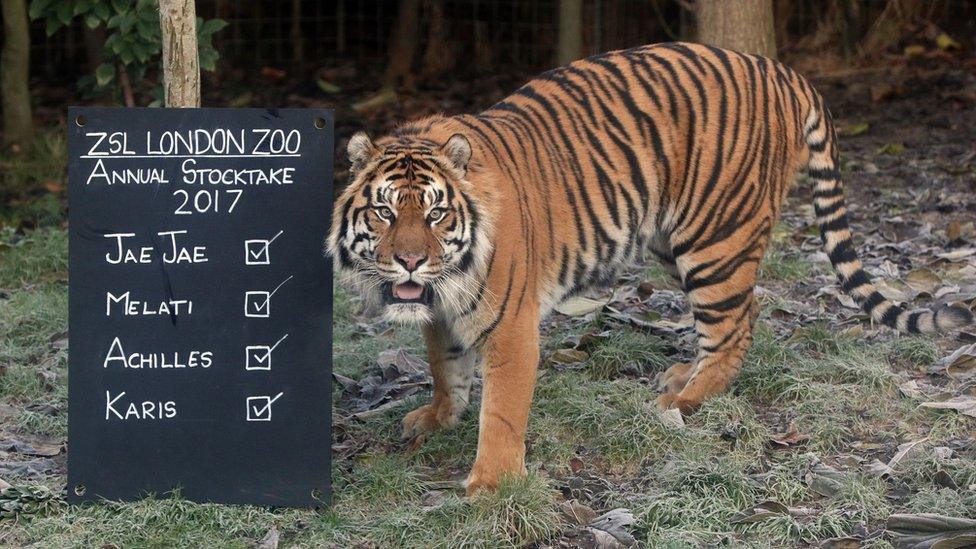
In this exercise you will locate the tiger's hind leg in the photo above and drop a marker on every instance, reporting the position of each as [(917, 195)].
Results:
[(719, 282), (453, 370), (674, 378)]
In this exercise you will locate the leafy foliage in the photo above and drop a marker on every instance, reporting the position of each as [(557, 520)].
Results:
[(133, 43)]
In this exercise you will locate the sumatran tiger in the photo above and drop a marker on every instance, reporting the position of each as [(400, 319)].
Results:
[(477, 226)]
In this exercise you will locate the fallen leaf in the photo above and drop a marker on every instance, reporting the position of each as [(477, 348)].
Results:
[(54, 186), (961, 363), (922, 280), (672, 417), (326, 86), (580, 305), (615, 523), (791, 437), (857, 129), (954, 232), (965, 404), (59, 340), (849, 542), (760, 512), (576, 465), (879, 469), (402, 361), (891, 149), (30, 449), (645, 289), (910, 389), (825, 480), (945, 42), (957, 255), (381, 98), (931, 531), (270, 539), (568, 356), (914, 50), (20, 500), (577, 513), (904, 450), (33, 468)]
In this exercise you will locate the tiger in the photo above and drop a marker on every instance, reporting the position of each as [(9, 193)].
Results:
[(477, 226)]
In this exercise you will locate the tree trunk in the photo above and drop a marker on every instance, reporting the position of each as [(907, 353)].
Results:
[(887, 28), (181, 60), (403, 46), (297, 41), (570, 45), (94, 44), (18, 126), (439, 56), (742, 25), (341, 27)]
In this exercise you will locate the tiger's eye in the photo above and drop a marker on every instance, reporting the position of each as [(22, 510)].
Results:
[(384, 213), (436, 214)]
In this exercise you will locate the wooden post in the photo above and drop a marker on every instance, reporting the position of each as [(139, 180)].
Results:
[(18, 126), (403, 46), (181, 60), (742, 25), (570, 46)]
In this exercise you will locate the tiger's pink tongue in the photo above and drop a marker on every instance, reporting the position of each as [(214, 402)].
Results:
[(408, 290)]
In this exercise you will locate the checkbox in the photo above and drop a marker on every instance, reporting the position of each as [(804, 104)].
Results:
[(257, 304), (259, 407), (258, 251), (258, 357)]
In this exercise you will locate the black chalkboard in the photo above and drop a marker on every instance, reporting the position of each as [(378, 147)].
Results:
[(200, 304)]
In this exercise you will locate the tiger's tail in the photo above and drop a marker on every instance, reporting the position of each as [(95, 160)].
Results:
[(828, 203)]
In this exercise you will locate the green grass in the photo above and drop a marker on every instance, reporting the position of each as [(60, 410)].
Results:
[(785, 266), (610, 357), (683, 484), (27, 177)]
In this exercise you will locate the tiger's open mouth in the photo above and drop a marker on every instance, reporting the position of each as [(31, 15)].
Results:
[(407, 292)]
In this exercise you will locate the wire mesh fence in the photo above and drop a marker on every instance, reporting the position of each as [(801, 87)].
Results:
[(311, 32), (480, 34)]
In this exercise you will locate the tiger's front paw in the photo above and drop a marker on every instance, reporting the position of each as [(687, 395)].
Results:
[(486, 473), (668, 401), (426, 419), (674, 379)]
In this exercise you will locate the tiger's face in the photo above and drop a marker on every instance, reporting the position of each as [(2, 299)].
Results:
[(406, 227)]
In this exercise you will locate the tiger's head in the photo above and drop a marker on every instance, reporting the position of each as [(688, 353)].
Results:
[(408, 227)]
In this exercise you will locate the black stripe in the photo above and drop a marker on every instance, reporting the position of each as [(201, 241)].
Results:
[(824, 211), (890, 318), (828, 193), (843, 253), (872, 302), (827, 174), (837, 224), (856, 280), (913, 322)]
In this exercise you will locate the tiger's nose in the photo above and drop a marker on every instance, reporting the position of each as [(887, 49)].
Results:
[(410, 262)]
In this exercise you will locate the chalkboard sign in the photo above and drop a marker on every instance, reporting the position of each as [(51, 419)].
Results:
[(200, 304)]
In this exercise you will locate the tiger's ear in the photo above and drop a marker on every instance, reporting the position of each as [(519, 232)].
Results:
[(458, 152), (360, 150)]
